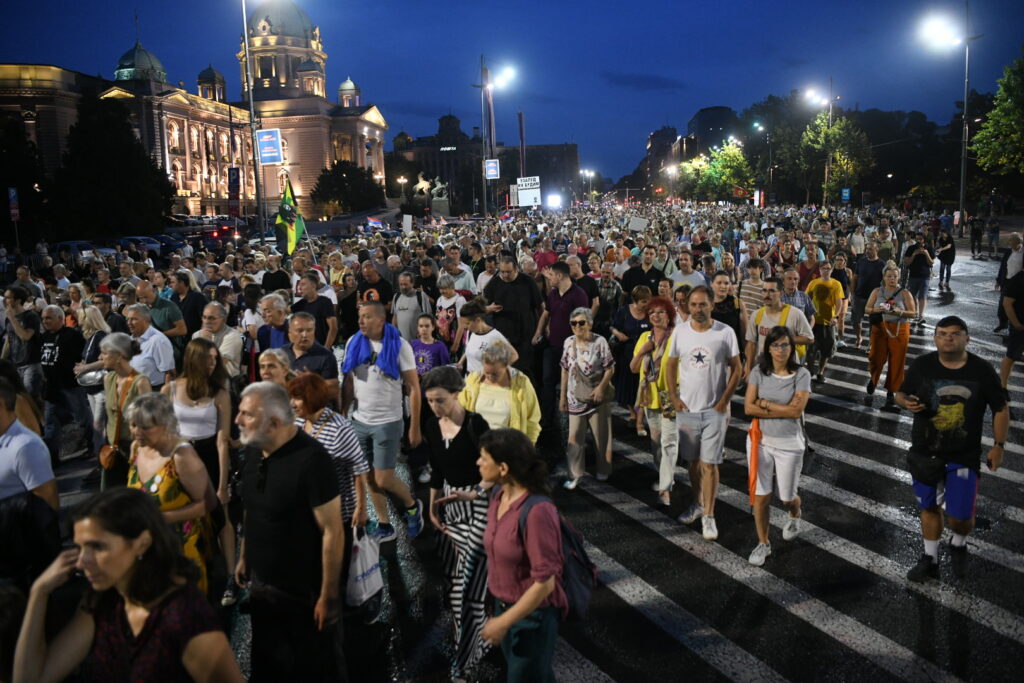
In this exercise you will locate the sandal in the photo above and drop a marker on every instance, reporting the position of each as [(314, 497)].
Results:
[(640, 431)]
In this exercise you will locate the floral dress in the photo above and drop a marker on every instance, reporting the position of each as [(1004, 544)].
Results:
[(166, 489), (593, 360)]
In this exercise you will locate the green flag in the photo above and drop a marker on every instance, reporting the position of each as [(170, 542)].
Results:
[(288, 215)]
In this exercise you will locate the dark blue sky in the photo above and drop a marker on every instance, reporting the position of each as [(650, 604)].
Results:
[(602, 74)]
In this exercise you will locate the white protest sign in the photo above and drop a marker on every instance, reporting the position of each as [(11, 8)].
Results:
[(407, 224), (638, 224), (529, 191)]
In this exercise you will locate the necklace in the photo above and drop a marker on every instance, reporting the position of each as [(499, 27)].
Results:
[(319, 429)]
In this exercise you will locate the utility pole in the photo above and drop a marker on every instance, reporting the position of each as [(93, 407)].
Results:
[(256, 165)]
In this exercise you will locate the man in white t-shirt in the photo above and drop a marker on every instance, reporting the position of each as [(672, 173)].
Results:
[(378, 418), (761, 322), (702, 373)]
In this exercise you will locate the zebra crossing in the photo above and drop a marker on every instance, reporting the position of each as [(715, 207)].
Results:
[(832, 603)]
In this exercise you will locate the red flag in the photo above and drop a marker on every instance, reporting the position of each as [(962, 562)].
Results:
[(738, 191)]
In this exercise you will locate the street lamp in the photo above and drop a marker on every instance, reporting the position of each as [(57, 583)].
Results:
[(487, 141), (589, 175), (816, 99), (768, 137), (402, 180), (257, 166), (942, 33)]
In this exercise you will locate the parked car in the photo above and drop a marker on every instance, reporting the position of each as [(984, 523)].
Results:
[(79, 252), (168, 244)]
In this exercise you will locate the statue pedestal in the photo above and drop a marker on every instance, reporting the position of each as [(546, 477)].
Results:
[(440, 207)]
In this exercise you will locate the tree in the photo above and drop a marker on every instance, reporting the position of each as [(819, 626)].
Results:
[(726, 170), (344, 187), (21, 167), (107, 183), (842, 142), (1000, 142)]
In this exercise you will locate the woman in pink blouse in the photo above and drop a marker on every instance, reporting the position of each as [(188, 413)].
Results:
[(524, 566)]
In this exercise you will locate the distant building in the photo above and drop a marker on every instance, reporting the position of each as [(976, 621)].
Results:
[(454, 157), (659, 153), (198, 136), (710, 126)]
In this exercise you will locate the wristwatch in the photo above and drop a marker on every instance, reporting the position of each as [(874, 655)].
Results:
[(1001, 444), (480, 491)]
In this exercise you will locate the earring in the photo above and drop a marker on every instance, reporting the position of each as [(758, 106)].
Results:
[(139, 558)]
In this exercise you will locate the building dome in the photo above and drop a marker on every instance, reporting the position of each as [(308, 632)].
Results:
[(280, 18), (139, 64), (348, 86), (210, 74)]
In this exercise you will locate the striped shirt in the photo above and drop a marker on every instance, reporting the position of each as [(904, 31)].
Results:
[(335, 434)]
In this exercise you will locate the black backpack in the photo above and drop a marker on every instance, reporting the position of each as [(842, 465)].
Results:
[(579, 574)]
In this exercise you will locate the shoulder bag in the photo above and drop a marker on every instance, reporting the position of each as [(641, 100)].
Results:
[(111, 454)]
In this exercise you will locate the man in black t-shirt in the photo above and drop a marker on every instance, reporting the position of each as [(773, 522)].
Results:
[(293, 543), (1013, 307), (515, 305), (584, 282), (643, 274), (949, 391), (918, 260), (189, 301), (320, 307), (21, 339), (61, 348), (374, 288)]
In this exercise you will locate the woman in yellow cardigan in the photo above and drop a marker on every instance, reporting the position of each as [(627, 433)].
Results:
[(649, 359), (501, 394)]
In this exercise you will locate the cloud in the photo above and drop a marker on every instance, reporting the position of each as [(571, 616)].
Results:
[(414, 108), (641, 81)]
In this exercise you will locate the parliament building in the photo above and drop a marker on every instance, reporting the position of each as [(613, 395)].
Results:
[(197, 135)]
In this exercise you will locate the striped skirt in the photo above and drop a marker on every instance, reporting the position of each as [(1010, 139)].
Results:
[(465, 564)]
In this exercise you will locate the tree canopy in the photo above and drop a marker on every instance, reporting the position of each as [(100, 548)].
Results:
[(999, 143), (107, 183), (344, 187)]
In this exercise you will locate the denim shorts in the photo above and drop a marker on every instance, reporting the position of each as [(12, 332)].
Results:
[(380, 443), (918, 286)]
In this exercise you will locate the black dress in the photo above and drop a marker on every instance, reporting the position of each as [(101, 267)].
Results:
[(626, 381)]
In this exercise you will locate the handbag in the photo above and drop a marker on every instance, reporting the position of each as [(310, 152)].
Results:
[(92, 378), (110, 455), (364, 577)]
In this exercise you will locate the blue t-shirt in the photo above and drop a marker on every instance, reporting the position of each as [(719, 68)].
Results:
[(429, 356), (24, 461)]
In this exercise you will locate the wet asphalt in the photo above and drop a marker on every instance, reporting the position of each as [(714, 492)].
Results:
[(832, 604)]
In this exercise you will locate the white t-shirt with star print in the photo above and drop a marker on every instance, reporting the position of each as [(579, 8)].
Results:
[(703, 363)]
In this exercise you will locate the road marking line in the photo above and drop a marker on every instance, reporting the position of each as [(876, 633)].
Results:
[(571, 666), (870, 644), (983, 612), (689, 630)]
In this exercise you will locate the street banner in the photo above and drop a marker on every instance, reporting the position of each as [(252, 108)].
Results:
[(234, 187), (268, 142), (846, 194), (12, 199), (491, 169)]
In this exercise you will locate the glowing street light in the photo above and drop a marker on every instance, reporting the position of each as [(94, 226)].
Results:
[(487, 140), (814, 98), (940, 32)]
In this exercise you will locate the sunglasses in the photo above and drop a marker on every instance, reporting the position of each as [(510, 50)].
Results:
[(579, 323)]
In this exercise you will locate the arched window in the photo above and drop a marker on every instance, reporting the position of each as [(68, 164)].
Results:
[(248, 149), (224, 145), (173, 136), (282, 181), (250, 185), (284, 149), (209, 142), (176, 175), (195, 138), (236, 150)]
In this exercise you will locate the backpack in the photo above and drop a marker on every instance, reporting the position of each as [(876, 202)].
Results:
[(801, 349), (579, 574)]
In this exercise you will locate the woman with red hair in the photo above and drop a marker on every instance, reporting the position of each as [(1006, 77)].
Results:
[(649, 359)]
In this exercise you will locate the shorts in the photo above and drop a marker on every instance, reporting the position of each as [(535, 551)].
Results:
[(956, 492), (702, 435), (785, 464), (380, 443), (918, 287), (825, 340), (1015, 345)]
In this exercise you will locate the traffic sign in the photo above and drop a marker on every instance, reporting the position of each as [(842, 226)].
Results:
[(268, 142), (491, 169), (12, 199)]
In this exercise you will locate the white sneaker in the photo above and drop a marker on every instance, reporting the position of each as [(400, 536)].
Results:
[(840, 344), (710, 528), (691, 515), (759, 554), (571, 484), (792, 528), (425, 475), (655, 487)]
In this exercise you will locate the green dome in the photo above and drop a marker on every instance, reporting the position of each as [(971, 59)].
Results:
[(284, 17), (139, 64), (348, 85), (210, 74)]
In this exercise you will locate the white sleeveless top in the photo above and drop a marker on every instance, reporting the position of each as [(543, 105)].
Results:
[(196, 422)]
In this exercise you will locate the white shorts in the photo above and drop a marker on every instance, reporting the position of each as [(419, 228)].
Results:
[(784, 464)]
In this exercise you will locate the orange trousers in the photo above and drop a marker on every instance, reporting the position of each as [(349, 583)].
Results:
[(893, 350)]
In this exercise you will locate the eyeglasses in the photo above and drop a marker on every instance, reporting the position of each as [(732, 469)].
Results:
[(579, 323), (657, 311), (949, 335), (780, 346)]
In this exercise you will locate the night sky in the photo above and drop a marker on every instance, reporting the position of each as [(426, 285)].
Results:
[(602, 74)]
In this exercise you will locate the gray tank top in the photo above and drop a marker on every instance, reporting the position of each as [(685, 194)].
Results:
[(897, 303)]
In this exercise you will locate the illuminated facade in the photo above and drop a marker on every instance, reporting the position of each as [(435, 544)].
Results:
[(198, 136)]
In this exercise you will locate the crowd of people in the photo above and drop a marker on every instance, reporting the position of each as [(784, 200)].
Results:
[(247, 413)]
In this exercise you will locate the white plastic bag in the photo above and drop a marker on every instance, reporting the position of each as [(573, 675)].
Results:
[(364, 577)]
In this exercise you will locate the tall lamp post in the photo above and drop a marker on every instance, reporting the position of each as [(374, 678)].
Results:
[(589, 175), (941, 32), (257, 166), (771, 168), (402, 180), (814, 98), (487, 125)]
